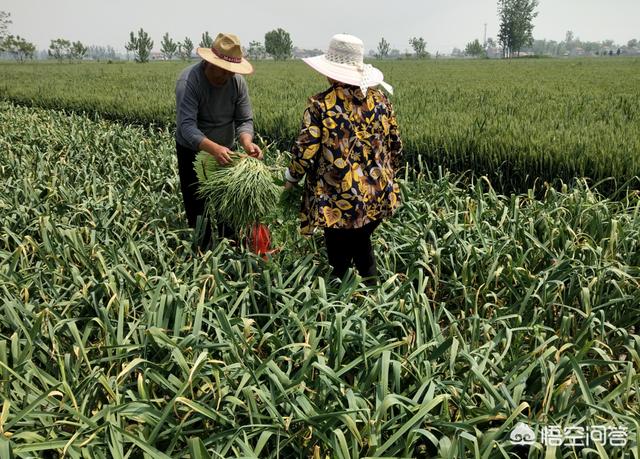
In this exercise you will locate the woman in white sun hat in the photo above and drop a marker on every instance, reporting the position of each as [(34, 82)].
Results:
[(349, 149)]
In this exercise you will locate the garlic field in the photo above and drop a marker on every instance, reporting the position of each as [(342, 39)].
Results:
[(118, 340)]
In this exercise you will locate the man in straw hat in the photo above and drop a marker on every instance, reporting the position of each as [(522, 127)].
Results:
[(349, 149), (213, 109)]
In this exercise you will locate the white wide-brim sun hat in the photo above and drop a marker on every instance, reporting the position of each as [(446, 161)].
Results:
[(344, 62)]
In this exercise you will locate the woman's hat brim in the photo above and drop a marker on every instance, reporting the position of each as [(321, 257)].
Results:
[(343, 73), (244, 67)]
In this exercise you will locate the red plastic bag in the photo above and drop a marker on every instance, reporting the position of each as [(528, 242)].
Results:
[(260, 239)]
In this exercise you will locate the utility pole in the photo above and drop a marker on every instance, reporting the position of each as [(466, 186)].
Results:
[(485, 36)]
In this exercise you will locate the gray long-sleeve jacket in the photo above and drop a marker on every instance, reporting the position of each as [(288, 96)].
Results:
[(203, 110)]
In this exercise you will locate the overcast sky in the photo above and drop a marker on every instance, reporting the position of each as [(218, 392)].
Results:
[(444, 24)]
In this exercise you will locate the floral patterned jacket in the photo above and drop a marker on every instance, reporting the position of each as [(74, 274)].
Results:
[(349, 149)]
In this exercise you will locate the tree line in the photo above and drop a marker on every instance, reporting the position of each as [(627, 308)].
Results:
[(277, 44), (15, 45), (515, 35), (573, 46)]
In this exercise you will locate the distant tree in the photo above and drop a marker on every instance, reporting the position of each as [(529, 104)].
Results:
[(591, 47), (168, 47), (131, 45), (474, 49), (455, 52), (516, 25), (491, 43), (540, 47), (278, 44), (206, 40), (383, 49), (78, 50), (419, 47), (569, 40), (553, 48), (101, 52), (4, 24), (256, 50), (185, 49), (60, 49), (18, 47), (141, 46), (632, 44)]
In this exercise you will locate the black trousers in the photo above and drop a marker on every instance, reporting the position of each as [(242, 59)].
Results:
[(347, 246), (194, 205)]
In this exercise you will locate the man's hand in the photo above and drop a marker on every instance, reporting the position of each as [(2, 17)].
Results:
[(253, 150), (221, 154), (289, 185), (246, 140)]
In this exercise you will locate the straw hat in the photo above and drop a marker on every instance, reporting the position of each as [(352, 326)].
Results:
[(226, 53), (344, 62)]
